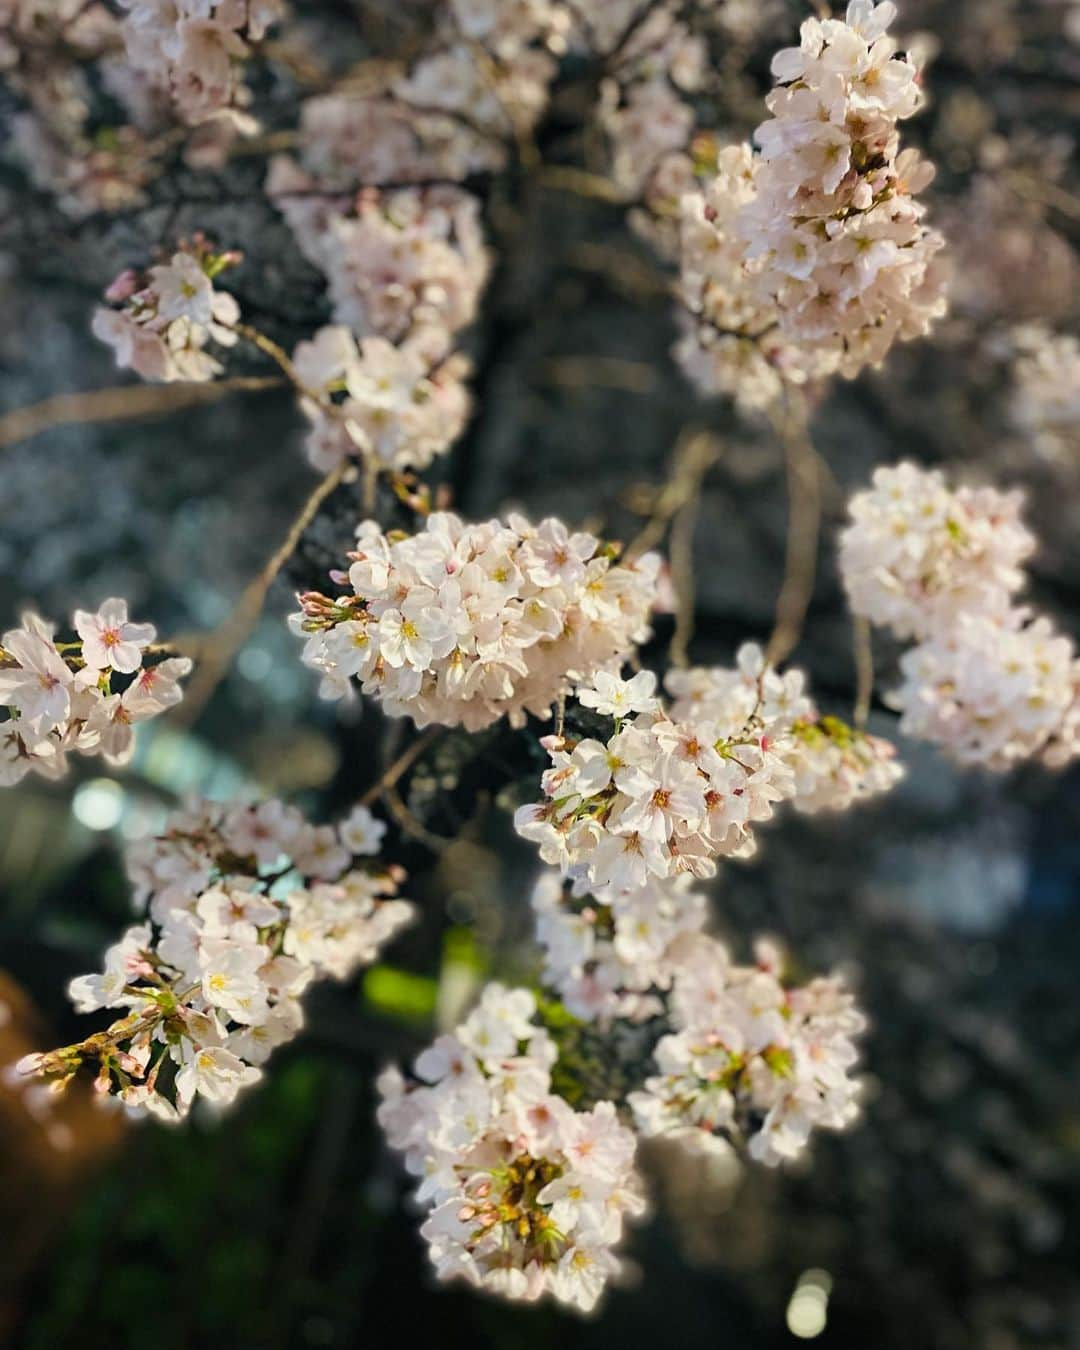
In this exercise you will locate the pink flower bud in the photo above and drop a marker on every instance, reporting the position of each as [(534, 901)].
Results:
[(123, 288)]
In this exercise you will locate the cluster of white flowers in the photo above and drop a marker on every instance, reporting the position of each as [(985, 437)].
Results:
[(654, 61), (245, 907), (918, 555), (943, 566), (753, 1059), (1046, 391), (836, 765), (607, 955), (159, 323), (847, 259), (732, 343), (462, 623), (61, 696), (405, 271), (398, 411), (812, 257), (195, 50), (993, 689), (526, 1196), (672, 790), (406, 263)]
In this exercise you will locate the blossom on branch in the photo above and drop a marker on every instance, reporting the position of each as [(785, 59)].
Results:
[(400, 409), (62, 696), (159, 323), (526, 1197), (245, 907), (462, 623), (753, 1059), (672, 790), (917, 554), (988, 683), (195, 49), (608, 954)]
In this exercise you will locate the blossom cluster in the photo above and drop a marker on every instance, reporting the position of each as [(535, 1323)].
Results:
[(654, 63), (159, 323), (812, 257), (63, 696), (526, 1197), (410, 262), (462, 623), (398, 410), (525, 1194), (195, 49), (45, 48), (752, 1059), (244, 907), (1046, 391), (848, 260), (607, 955), (671, 790), (943, 566), (405, 270), (917, 555), (403, 260)]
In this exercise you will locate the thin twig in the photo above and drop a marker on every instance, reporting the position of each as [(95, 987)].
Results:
[(863, 649), (804, 527), (409, 823), (216, 652), (582, 183), (696, 451), (278, 355), (681, 555), (122, 404), (600, 372), (401, 765)]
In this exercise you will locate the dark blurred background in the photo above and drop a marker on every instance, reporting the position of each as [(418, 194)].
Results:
[(949, 1217)]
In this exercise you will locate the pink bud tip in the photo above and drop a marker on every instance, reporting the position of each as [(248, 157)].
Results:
[(123, 288)]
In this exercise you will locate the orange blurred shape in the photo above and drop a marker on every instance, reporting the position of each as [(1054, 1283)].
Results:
[(49, 1144)]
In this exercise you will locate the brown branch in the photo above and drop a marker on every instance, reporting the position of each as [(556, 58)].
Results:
[(216, 651), (582, 183), (677, 503), (696, 451), (599, 372), (681, 555), (409, 823), (122, 404), (804, 527), (401, 765), (863, 650)]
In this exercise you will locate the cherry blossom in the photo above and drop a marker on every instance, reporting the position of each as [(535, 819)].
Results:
[(525, 1196), (60, 697), (159, 324), (752, 1059), (245, 906), (465, 623)]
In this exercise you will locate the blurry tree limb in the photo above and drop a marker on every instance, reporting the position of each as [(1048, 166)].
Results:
[(1045, 193), (409, 824), (404, 762), (696, 451), (677, 504), (624, 271), (124, 404), (580, 182), (215, 652), (600, 372), (804, 528), (681, 556), (863, 649)]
